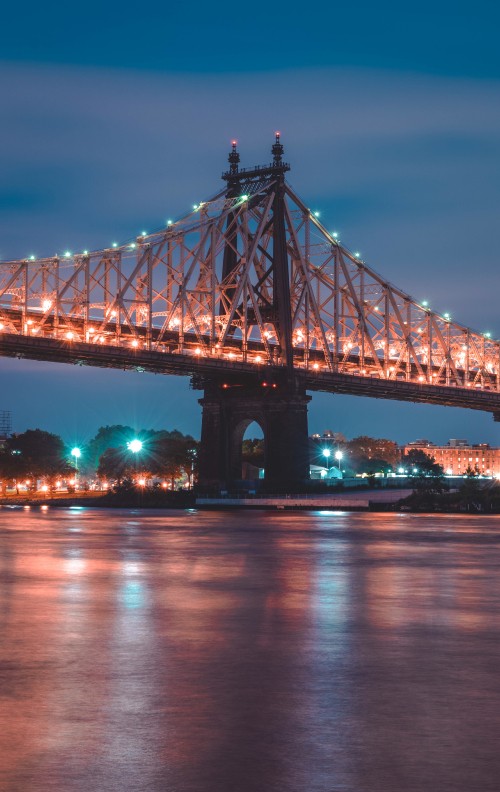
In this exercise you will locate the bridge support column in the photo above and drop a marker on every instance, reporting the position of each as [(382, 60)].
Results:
[(282, 415)]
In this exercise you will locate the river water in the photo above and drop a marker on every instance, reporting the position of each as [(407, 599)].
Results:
[(248, 652)]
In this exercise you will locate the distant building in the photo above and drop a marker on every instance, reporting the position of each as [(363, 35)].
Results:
[(324, 473), (459, 455), (5, 426)]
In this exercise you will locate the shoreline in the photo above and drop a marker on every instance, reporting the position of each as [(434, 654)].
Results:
[(354, 500), (362, 500)]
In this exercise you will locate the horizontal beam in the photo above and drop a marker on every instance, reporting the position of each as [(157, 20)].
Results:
[(77, 353)]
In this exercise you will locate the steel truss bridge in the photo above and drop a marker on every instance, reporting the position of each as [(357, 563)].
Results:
[(249, 293)]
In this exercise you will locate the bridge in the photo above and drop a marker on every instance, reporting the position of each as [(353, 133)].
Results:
[(255, 300)]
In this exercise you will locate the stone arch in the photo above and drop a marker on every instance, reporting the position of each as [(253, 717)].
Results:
[(228, 410), (236, 441)]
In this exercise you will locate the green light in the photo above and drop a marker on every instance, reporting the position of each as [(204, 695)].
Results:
[(68, 254), (134, 445), (244, 198), (316, 214), (425, 303), (169, 222), (115, 244), (335, 234), (76, 452)]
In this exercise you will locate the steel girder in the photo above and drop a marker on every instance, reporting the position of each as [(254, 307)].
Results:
[(170, 292)]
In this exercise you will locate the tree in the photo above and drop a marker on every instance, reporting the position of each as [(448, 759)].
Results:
[(417, 462), (115, 436), (164, 454), (252, 451), (372, 466), (364, 447), (34, 454), (429, 494), (114, 463), (430, 487), (174, 455)]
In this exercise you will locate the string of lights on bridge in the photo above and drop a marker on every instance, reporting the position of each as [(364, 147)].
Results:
[(326, 342), (144, 237)]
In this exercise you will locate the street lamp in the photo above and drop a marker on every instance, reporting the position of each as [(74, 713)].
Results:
[(338, 456), (76, 454), (135, 446), (327, 454)]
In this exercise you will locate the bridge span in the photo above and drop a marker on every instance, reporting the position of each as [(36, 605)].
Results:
[(254, 299)]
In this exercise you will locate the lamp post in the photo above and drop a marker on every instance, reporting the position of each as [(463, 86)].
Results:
[(135, 446), (338, 456), (76, 454), (327, 454)]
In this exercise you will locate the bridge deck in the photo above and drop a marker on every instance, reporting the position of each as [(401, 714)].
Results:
[(78, 353)]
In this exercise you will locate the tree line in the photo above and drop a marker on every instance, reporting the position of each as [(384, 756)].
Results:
[(374, 455), (36, 455)]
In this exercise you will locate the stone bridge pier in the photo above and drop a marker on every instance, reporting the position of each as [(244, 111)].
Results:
[(281, 412)]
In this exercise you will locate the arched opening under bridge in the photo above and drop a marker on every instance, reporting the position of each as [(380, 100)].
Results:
[(252, 449), (229, 409)]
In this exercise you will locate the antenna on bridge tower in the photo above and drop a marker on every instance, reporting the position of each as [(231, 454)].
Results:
[(233, 159), (277, 150)]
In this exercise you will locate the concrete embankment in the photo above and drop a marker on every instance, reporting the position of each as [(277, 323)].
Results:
[(354, 501)]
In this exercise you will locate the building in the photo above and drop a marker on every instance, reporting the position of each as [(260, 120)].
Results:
[(5, 426), (459, 455)]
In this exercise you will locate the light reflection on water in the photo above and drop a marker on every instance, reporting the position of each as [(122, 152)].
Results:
[(257, 652)]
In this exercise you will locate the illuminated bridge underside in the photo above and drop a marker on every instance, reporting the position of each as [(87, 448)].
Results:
[(202, 297), (110, 356)]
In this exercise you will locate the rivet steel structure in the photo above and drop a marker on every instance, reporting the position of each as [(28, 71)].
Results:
[(251, 296)]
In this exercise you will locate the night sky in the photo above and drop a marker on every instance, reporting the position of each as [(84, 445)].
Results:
[(116, 118)]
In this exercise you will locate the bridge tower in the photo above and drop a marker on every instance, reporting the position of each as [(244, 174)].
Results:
[(276, 401)]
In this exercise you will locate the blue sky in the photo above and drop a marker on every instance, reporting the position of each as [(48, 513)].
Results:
[(115, 119)]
